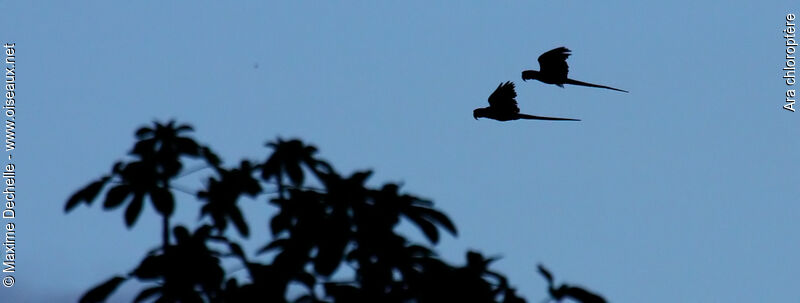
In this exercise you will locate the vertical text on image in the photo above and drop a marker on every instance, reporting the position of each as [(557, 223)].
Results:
[(789, 69), (9, 213), (9, 107)]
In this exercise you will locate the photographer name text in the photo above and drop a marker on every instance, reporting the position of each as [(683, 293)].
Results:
[(9, 212)]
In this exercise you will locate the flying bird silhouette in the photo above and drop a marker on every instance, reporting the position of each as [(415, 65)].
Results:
[(554, 69), (503, 107)]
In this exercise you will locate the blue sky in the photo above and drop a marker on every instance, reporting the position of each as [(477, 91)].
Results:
[(684, 190)]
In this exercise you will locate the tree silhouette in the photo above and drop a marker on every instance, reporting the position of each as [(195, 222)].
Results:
[(333, 237)]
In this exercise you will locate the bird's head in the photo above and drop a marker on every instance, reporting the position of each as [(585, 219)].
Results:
[(477, 113), (530, 75)]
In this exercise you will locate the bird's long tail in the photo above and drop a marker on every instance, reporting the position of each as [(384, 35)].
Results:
[(524, 116), (576, 82)]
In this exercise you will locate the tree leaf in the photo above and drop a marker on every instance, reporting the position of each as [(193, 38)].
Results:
[(116, 195), (275, 244), (143, 132), (580, 294), (182, 235), (295, 173), (86, 194), (236, 216), (134, 209), (546, 273), (145, 148), (237, 250), (270, 168), (151, 267), (430, 230), (440, 218), (163, 201), (102, 291), (147, 293), (187, 146), (210, 156), (183, 127)]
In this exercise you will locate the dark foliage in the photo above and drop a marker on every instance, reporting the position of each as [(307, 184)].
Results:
[(333, 237), (568, 291)]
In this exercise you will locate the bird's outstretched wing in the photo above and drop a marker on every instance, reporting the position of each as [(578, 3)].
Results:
[(554, 62), (503, 97)]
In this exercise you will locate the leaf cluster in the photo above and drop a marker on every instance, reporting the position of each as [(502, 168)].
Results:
[(333, 237)]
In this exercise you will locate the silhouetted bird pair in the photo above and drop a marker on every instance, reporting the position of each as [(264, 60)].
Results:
[(554, 69)]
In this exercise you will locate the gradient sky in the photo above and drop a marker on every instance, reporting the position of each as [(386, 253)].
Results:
[(684, 190)]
